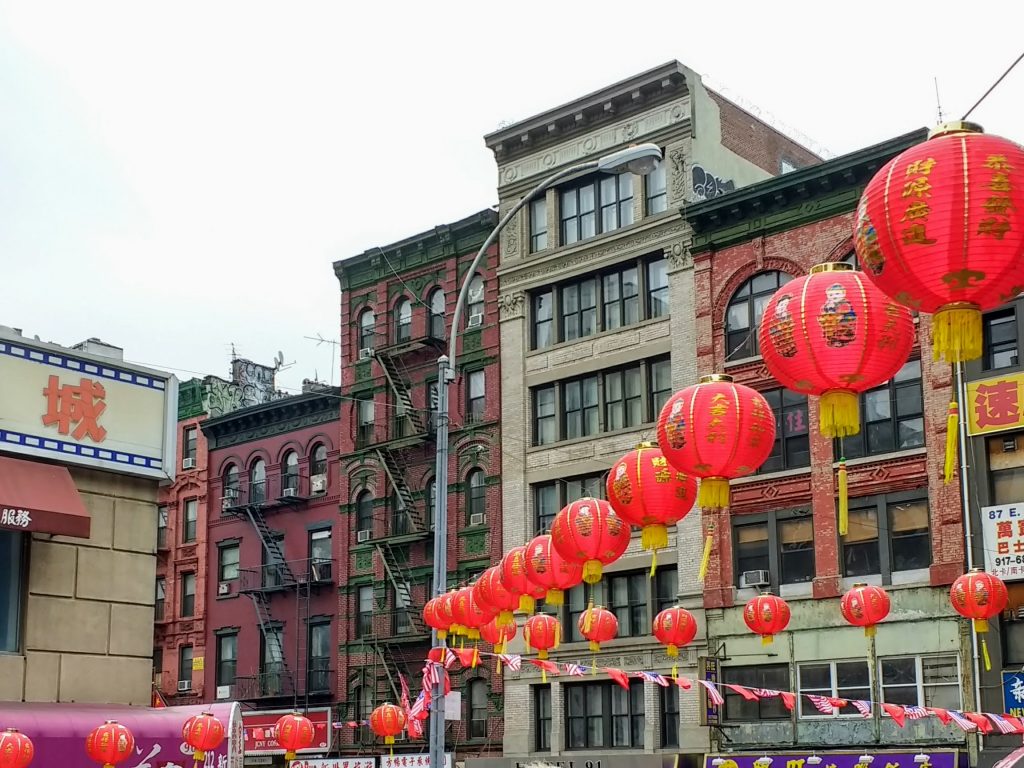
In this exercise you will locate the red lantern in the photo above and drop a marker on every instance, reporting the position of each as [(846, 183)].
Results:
[(517, 581), (865, 606), (767, 615), (542, 633), (204, 733), (675, 628), (598, 625), (468, 614), (294, 734), (833, 334), (437, 614), (388, 721), (110, 744), (646, 492), (940, 229), (591, 533), (978, 596), (717, 430), (546, 568), (490, 590), (16, 749), (497, 634)]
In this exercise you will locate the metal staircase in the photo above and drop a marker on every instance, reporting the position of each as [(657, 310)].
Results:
[(269, 541), (397, 374), (396, 469), (273, 640), (401, 583)]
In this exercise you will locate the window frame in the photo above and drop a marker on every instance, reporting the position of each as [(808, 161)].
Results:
[(185, 672), (541, 721), (223, 547), (668, 711), (163, 519), (220, 676), (318, 462), (402, 319), (476, 494), (798, 407), (777, 710), (476, 406), (430, 503), (257, 481), (361, 518), (160, 598), (475, 306), (437, 325), (807, 711), (656, 195), (366, 322), (290, 472), (364, 619), (190, 442), (605, 692), (919, 683), (894, 419), (472, 708), (538, 216), (317, 670), (990, 349), (563, 496), (744, 294), (620, 203), (881, 504), (772, 521), (187, 602), (189, 520), (578, 598)]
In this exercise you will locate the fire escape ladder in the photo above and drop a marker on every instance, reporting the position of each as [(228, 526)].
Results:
[(401, 584), (391, 669), (269, 541), (396, 470), (397, 375), (302, 594), (271, 638)]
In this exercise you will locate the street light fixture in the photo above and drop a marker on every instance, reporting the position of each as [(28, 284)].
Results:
[(639, 159)]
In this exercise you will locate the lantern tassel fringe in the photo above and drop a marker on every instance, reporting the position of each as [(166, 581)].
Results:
[(839, 413), (844, 499), (705, 558), (984, 655), (870, 631), (506, 618), (654, 536), (766, 640), (713, 493), (956, 333), (555, 597), (654, 564), (594, 646), (952, 425), (526, 604), (592, 570)]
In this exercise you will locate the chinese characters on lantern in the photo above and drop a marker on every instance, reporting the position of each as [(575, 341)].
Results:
[(916, 191), (995, 404), (1002, 530), (998, 204)]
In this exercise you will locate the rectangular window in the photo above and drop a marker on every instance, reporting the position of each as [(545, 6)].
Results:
[(669, 716), (542, 717), (365, 611), (887, 534), (922, 681), (581, 406), (579, 309), (908, 534), (627, 599), (846, 680), (792, 447), (623, 398), (542, 306), (666, 590), (545, 420), (620, 291), (273, 573), (660, 385), (781, 543), (364, 415), (999, 341), (751, 542), (227, 658), (319, 657), (185, 666), (604, 715), (162, 519), (227, 565), (189, 443), (549, 498), (891, 417), (188, 595), (538, 224), (545, 506), (772, 676), (478, 709), (477, 391), (632, 597), (657, 288), (656, 190), (796, 550), (160, 600), (190, 518)]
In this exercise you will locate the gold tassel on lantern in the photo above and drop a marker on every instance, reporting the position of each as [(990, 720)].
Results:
[(527, 604), (654, 536), (981, 627), (956, 332), (767, 640), (952, 426), (555, 597), (713, 493), (705, 558), (839, 412), (844, 499), (592, 570)]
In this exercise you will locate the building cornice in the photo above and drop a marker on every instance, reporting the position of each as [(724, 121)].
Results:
[(274, 418)]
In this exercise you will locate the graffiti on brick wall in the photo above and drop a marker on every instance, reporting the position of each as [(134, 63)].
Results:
[(251, 384), (707, 186)]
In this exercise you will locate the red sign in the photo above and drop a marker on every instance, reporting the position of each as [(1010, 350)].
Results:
[(259, 731)]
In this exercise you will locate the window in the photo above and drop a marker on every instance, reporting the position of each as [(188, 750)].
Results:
[(796, 550), (477, 709), (620, 298), (430, 502), (362, 695), (271, 560), (189, 443), (319, 657), (656, 190), (623, 398), (891, 417), (921, 681), (743, 315), (660, 387), (364, 511), (403, 321), (258, 481), (367, 321), (161, 527), (792, 447), (751, 544), (477, 394), (364, 416), (190, 519), (847, 680), (402, 624), (538, 224), (319, 464), (1000, 340), (475, 300), (185, 666), (542, 305), (399, 515), (772, 676), (476, 501), (549, 498), (579, 309), (365, 611), (581, 405), (669, 716), (627, 599), (230, 481), (158, 666), (599, 204), (320, 555), (160, 600), (1007, 480), (436, 301), (632, 597), (188, 595), (780, 543), (290, 472), (227, 562), (604, 715), (545, 426), (227, 658), (542, 717), (657, 288), (666, 589), (886, 534), (272, 662)]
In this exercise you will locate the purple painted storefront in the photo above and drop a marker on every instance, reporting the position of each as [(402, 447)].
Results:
[(923, 758), (59, 730)]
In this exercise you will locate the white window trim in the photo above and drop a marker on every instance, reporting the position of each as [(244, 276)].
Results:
[(919, 676), (807, 710)]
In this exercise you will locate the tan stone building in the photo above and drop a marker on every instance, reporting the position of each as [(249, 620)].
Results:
[(597, 330), (85, 440)]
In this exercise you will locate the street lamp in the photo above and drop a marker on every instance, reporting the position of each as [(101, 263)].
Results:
[(639, 159)]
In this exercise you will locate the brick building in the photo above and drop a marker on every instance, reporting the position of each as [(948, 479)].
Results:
[(597, 330), (781, 533), (396, 305)]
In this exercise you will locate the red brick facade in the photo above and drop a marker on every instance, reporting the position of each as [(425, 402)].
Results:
[(758, 142)]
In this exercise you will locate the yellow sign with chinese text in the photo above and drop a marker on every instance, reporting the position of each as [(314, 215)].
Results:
[(995, 404), (198, 663)]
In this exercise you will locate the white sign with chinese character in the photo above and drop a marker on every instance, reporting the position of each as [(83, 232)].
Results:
[(412, 761), (1002, 529), (335, 762)]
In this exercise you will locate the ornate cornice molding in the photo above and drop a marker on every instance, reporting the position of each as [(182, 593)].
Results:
[(511, 305)]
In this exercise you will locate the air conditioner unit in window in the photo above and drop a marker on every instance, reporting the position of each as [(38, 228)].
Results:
[(477, 518), (365, 353), (224, 691), (475, 321), (184, 686), (224, 588), (289, 492), (362, 536), (755, 579), (188, 463)]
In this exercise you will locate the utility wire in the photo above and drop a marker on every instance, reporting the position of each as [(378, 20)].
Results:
[(993, 86)]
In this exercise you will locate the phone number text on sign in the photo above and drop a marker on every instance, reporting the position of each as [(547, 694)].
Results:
[(1003, 537)]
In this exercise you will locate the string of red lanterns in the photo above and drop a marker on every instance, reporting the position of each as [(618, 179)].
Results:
[(204, 733), (294, 733), (110, 744), (16, 749)]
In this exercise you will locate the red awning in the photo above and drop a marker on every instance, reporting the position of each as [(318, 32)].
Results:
[(42, 498)]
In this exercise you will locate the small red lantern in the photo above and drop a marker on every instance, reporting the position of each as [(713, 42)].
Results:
[(204, 733), (674, 628), (542, 633), (591, 533), (517, 581), (766, 615), (388, 721), (833, 334), (497, 634), (646, 492), (979, 596), (437, 614), (16, 749), (940, 229), (598, 625), (490, 590), (717, 430), (469, 615), (110, 744), (546, 568), (294, 734), (865, 605)]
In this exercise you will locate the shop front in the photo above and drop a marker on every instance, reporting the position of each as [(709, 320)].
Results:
[(862, 758), (588, 760), (261, 747)]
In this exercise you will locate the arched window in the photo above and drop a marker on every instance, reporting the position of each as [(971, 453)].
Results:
[(366, 325), (430, 502), (477, 709), (437, 313), (318, 466), (475, 300), (403, 320), (364, 511), (476, 498), (230, 481), (290, 473), (744, 313), (258, 482)]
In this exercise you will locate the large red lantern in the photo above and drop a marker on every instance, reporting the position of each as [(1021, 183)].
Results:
[(979, 596), (598, 625), (16, 749), (490, 590), (865, 605), (546, 568), (469, 616), (437, 614), (646, 492), (204, 733), (497, 634), (940, 229), (833, 334), (589, 531), (674, 628), (110, 744), (717, 430), (516, 580), (766, 615), (294, 734), (542, 633), (388, 721)]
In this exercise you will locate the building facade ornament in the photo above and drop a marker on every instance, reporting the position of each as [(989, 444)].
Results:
[(511, 305)]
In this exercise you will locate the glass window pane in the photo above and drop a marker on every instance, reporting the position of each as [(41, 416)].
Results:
[(815, 677)]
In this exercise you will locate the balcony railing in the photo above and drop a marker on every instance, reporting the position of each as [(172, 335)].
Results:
[(271, 682), (277, 490), (275, 576), (319, 676)]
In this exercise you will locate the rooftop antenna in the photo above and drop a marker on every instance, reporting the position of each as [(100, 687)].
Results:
[(319, 339), (938, 102)]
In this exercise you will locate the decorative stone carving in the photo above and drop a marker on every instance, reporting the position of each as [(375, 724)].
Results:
[(476, 543), (629, 131), (679, 256), (511, 305), (677, 159)]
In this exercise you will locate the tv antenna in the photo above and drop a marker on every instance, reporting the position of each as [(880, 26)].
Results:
[(319, 339)]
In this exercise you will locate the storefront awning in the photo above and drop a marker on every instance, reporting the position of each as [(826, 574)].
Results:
[(42, 498)]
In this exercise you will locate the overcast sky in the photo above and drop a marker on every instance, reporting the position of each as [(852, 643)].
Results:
[(175, 179)]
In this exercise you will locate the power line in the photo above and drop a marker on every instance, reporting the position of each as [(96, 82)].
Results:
[(993, 86)]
